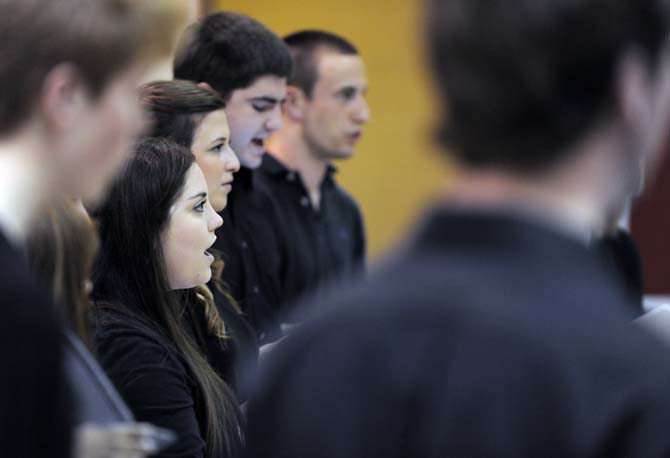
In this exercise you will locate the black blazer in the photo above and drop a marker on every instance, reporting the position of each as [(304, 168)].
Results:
[(488, 336), (35, 417)]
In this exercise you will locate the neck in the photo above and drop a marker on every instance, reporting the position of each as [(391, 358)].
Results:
[(290, 147), (546, 199), (22, 185)]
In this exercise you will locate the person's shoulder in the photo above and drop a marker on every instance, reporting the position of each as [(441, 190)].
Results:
[(345, 197), (124, 340)]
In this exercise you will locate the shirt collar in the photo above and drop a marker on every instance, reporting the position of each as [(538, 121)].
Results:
[(274, 167)]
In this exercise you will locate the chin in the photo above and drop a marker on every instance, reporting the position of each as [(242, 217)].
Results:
[(204, 277), (341, 154), (218, 204)]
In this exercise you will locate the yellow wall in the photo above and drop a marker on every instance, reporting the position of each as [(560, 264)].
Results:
[(395, 168)]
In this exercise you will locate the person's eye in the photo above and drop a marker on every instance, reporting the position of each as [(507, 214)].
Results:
[(200, 208), (347, 94), (218, 148), (262, 107)]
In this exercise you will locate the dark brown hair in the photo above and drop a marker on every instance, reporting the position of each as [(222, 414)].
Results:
[(304, 47), (230, 51), (61, 247), (99, 38), (521, 81), (175, 107)]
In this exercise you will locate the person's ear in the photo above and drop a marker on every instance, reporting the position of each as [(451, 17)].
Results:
[(634, 90), (63, 97), (295, 104), (204, 85)]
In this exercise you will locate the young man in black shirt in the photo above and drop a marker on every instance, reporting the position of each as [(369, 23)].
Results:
[(248, 65), (495, 331), (324, 116)]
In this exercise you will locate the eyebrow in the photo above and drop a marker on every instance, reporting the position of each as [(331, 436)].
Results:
[(267, 99), (200, 195), (220, 139), (355, 87)]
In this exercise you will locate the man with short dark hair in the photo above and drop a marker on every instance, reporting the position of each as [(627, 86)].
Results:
[(495, 331), (324, 116), (248, 65)]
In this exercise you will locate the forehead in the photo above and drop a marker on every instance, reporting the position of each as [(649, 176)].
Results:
[(195, 183), (269, 86), (213, 123), (335, 69)]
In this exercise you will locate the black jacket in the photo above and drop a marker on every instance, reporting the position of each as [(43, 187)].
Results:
[(35, 418), (489, 335)]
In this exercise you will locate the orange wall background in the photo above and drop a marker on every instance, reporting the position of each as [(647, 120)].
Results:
[(396, 168)]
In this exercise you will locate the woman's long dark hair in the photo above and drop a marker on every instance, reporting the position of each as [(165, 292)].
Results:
[(130, 272), (175, 108)]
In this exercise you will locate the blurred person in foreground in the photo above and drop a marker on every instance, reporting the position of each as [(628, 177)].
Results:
[(495, 331), (68, 110)]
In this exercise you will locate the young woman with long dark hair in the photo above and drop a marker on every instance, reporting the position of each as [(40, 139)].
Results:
[(155, 229)]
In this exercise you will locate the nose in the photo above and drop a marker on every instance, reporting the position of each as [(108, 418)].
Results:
[(214, 220), (274, 121), (361, 114), (232, 162)]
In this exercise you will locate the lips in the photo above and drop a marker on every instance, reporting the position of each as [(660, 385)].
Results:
[(211, 244), (354, 137), (208, 254)]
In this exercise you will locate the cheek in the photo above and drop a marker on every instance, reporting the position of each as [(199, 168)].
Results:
[(219, 200), (183, 250), (212, 167), (323, 125), (241, 129)]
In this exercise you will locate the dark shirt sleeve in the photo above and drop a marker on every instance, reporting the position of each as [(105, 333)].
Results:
[(360, 246), (156, 387)]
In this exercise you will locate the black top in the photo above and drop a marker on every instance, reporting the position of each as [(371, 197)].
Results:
[(235, 359), (321, 245), (620, 254), (35, 409), (94, 397), (153, 378), (250, 245), (487, 336)]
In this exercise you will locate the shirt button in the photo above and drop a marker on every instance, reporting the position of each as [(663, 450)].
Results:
[(290, 176), (255, 289), (304, 201), (244, 244)]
